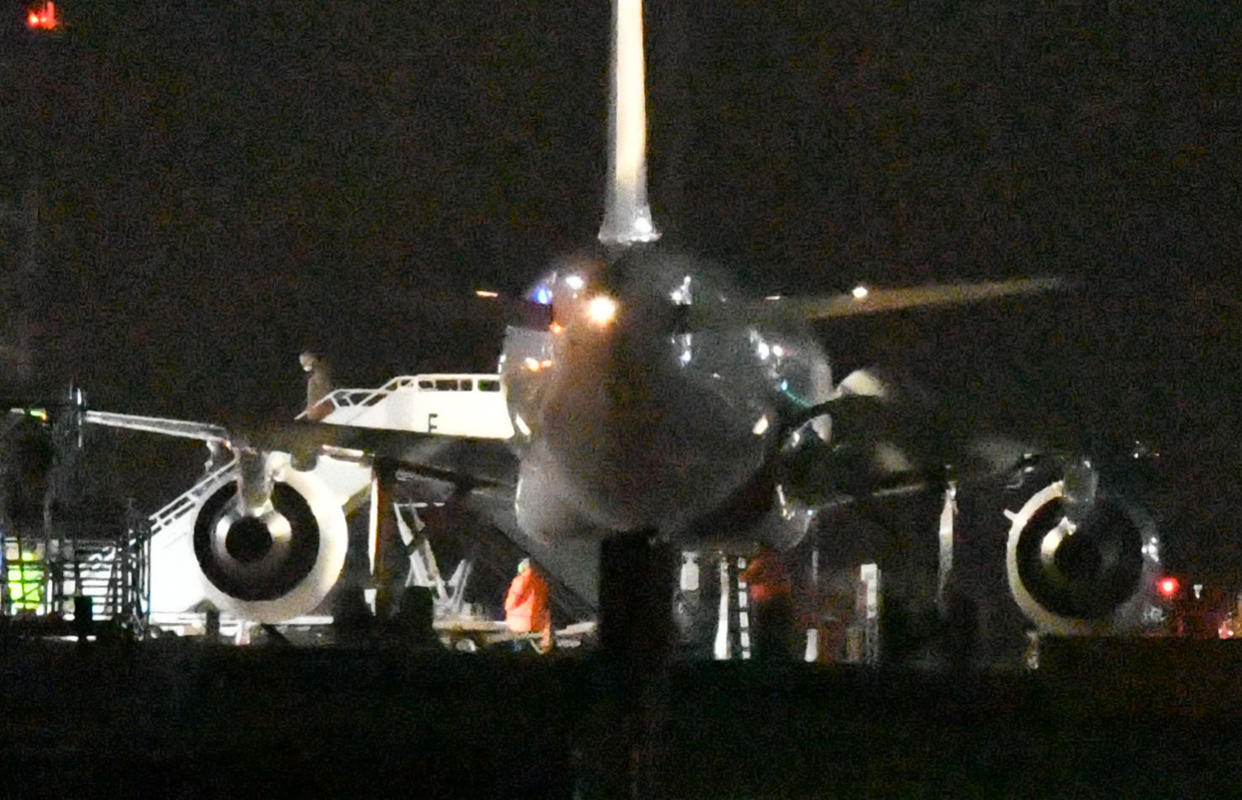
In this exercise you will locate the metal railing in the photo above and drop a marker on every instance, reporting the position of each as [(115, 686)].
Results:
[(363, 398), (190, 499)]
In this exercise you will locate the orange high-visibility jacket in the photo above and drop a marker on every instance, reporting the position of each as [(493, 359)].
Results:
[(526, 604), (766, 577)]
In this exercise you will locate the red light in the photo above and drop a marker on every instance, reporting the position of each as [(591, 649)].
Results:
[(1168, 586), (43, 18)]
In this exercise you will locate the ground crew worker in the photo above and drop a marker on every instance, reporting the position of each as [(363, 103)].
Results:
[(526, 604), (771, 596), (318, 384)]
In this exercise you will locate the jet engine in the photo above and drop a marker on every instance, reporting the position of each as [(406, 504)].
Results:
[(1081, 563), (277, 561)]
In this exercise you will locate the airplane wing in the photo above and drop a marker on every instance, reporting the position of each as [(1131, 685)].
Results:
[(466, 462), (888, 435), (782, 311), (185, 429)]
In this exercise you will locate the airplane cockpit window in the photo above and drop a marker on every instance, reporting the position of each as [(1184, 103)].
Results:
[(426, 384), (446, 385)]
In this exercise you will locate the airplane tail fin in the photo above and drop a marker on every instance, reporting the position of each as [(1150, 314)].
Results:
[(627, 217)]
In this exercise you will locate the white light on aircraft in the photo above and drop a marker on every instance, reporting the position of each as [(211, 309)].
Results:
[(763, 350), (601, 310), (761, 427), (773, 297), (531, 364), (486, 293), (778, 351), (682, 295), (684, 342), (860, 292), (575, 282)]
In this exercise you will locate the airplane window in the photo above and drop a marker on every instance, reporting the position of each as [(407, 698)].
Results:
[(426, 385), (446, 386), (467, 385), (489, 386)]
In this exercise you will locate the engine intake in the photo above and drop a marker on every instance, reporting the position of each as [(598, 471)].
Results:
[(275, 564), (1080, 571)]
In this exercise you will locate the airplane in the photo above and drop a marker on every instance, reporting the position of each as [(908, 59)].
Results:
[(654, 404)]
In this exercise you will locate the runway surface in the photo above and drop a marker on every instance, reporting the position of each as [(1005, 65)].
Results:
[(179, 719)]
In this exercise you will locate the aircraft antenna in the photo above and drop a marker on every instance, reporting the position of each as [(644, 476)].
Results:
[(627, 217)]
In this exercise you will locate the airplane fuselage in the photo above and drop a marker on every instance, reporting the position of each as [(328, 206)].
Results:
[(627, 422)]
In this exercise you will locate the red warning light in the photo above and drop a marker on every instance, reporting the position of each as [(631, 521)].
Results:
[(43, 18), (1168, 586)]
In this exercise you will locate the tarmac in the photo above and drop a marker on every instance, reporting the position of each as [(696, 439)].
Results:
[(176, 718)]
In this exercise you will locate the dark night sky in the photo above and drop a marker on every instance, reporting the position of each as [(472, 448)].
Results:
[(220, 184)]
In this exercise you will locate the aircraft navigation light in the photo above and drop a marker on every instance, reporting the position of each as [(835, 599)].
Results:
[(682, 294), (543, 296), (860, 292), (778, 351), (486, 293), (601, 310), (575, 282), (1168, 586), (773, 297), (43, 18), (761, 426)]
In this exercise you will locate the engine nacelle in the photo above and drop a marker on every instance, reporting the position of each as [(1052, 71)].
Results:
[(1088, 576), (278, 563)]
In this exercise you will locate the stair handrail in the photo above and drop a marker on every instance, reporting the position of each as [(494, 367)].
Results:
[(173, 510), (190, 498), (362, 398)]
